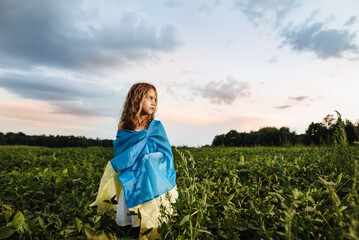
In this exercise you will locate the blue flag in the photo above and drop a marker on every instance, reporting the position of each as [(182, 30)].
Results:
[(145, 162)]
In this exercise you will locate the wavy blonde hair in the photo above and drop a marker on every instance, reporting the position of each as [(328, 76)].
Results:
[(132, 107)]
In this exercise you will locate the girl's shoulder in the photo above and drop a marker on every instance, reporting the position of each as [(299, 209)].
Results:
[(120, 126)]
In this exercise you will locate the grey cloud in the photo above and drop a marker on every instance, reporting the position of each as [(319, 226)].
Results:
[(105, 106), (224, 92), (211, 7), (328, 19), (299, 99), (67, 96), (74, 108), (350, 21), (174, 3), (273, 11), (81, 109), (188, 72), (46, 88), (59, 34), (283, 107), (315, 37), (273, 60), (314, 14), (325, 43)]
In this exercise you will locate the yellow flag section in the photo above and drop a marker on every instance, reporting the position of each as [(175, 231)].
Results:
[(150, 212)]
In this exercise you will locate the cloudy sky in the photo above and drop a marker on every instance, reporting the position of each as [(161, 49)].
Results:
[(66, 66)]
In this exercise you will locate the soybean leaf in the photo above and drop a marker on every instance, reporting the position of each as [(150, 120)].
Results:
[(18, 220), (6, 232), (185, 219)]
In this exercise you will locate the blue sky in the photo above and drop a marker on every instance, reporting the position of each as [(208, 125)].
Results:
[(66, 67)]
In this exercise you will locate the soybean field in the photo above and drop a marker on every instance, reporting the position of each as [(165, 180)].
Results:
[(224, 193)]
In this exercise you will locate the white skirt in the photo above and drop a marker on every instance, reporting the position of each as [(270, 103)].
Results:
[(123, 217)]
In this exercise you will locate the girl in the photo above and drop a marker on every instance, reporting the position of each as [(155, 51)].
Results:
[(141, 176)]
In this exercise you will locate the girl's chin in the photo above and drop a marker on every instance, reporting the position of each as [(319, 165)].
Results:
[(146, 113)]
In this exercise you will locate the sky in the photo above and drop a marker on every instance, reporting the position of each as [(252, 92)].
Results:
[(218, 65)]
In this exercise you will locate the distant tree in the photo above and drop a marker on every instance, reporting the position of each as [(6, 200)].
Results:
[(329, 121), (250, 139), (356, 128), (2, 139), (218, 140), (51, 141), (286, 137), (231, 138), (300, 139), (268, 136), (350, 131), (10, 138), (317, 134)]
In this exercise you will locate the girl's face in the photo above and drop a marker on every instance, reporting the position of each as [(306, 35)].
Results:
[(150, 103)]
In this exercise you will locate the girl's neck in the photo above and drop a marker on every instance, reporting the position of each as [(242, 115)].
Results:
[(143, 119), (142, 122)]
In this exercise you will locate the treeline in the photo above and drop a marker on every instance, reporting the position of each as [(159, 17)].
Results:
[(316, 134), (51, 141)]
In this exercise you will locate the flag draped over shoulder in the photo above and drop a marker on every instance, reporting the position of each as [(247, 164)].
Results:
[(144, 163), (143, 168)]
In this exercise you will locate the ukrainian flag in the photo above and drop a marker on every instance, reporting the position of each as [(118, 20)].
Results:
[(143, 168)]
